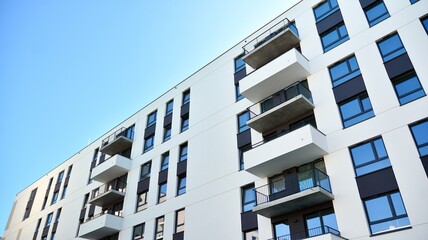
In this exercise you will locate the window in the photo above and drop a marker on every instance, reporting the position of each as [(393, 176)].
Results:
[(369, 157), (186, 97), (138, 232), (169, 107), (60, 176), (251, 235), (48, 220), (38, 225), (54, 197), (129, 132), (165, 161), (85, 200), (413, 1), (181, 186), (386, 213), (69, 171), (58, 215), (408, 88), (239, 63), (52, 236), (420, 134), (238, 92), (167, 132), (64, 192), (184, 122), (248, 198), (162, 193), (145, 170), (141, 201), (179, 221), (242, 121), (95, 157), (241, 155), (320, 222), (356, 110), (334, 37), (183, 152), (148, 143), (282, 230), (391, 47), (325, 9), (151, 119), (376, 13), (344, 71), (425, 23), (159, 228)]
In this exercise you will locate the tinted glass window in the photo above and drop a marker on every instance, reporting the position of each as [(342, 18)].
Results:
[(165, 161), (344, 71), (425, 23), (391, 47), (334, 37), (183, 152), (356, 110), (420, 134), (169, 107), (242, 121), (151, 119), (186, 97), (239, 63), (376, 13), (148, 143), (369, 157), (408, 89), (248, 198), (325, 9)]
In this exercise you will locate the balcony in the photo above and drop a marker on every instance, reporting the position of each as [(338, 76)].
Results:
[(280, 108), (108, 193), (292, 193), (285, 70), (101, 226), (111, 168), (118, 141), (270, 44), (319, 233), (287, 150)]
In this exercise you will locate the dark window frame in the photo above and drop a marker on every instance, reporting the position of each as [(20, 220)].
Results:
[(145, 175), (341, 39), (167, 132), (184, 148), (143, 204), (416, 141), (178, 226), (352, 73), (388, 56), (162, 193), (184, 126), (164, 161), (159, 227), (181, 189), (149, 143), (360, 97), (406, 78), (332, 8), (242, 127), (377, 159), (371, 8), (169, 109), (151, 118), (136, 235), (186, 97), (244, 203)]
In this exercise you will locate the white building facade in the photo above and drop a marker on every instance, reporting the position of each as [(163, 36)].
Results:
[(314, 127)]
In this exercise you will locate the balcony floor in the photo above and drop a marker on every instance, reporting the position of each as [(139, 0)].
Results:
[(118, 145), (107, 198)]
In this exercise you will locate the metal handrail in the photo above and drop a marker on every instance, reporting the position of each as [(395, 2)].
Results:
[(268, 34), (120, 132), (309, 233), (300, 89), (107, 187), (108, 211), (292, 184)]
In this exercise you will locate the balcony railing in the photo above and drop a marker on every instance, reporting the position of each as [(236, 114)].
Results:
[(115, 185), (125, 132), (288, 93), (269, 34), (118, 213), (291, 185), (309, 233)]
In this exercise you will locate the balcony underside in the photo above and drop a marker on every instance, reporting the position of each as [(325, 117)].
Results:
[(285, 70), (118, 145), (112, 168), (107, 198), (280, 114), (290, 150), (271, 49), (100, 227), (327, 236), (307, 198)]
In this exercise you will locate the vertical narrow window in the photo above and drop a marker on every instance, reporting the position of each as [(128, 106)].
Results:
[(424, 22), (39, 222), (149, 143), (169, 107), (64, 192), (420, 135), (408, 88), (325, 9), (60, 176), (413, 1), (70, 168), (167, 132), (241, 155), (239, 63), (242, 121), (391, 47), (186, 97), (138, 232), (48, 220), (356, 110), (151, 119), (159, 228), (54, 197), (164, 161), (369, 157), (142, 201), (179, 220), (162, 192), (58, 215), (386, 213), (344, 70), (183, 152), (334, 37), (184, 122), (376, 13), (238, 92), (181, 185), (145, 170), (53, 236), (248, 198)]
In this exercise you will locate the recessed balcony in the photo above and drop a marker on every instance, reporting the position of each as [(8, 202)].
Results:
[(101, 226), (285, 70), (270, 44), (118, 142), (108, 193), (292, 193), (287, 150), (283, 106), (319, 233), (111, 168)]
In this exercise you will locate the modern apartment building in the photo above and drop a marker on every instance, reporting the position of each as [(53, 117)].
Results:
[(313, 127)]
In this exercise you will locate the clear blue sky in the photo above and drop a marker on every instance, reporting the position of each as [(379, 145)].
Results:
[(71, 70)]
